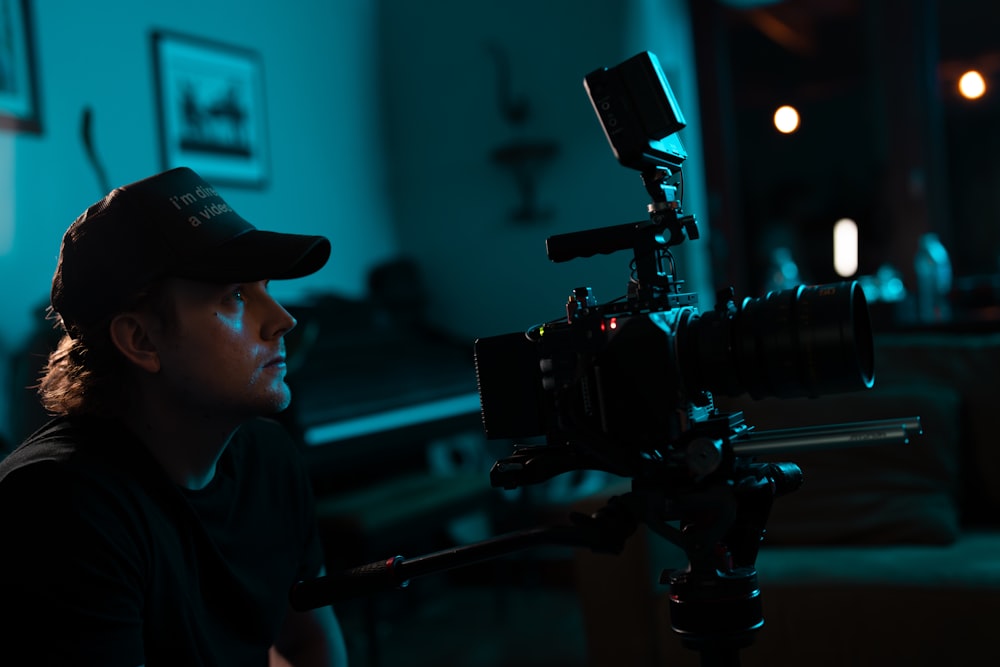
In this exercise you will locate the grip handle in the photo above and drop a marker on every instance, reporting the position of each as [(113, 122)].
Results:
[(381, 575)]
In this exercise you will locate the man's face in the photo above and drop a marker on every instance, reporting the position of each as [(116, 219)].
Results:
[(224, 356)]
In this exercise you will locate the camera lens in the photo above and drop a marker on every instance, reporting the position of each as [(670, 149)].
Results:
[(805, 341)]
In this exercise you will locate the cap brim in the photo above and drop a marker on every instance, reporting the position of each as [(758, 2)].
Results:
[(259, 255)]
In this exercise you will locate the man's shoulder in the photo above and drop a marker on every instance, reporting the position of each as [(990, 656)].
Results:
[(56, 441), (65, 443)]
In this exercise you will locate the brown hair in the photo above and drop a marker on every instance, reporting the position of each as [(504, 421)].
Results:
[(83, 376), (87, 374)]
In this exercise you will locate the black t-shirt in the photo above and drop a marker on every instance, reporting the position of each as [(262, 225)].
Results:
[(104, 561)]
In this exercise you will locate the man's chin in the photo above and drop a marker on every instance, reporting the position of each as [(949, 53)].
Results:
[(278, 401)]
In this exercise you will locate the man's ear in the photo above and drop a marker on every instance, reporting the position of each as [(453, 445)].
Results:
[(130, 335)]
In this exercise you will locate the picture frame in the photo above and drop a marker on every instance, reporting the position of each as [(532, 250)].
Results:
[(19, 99), (211, 109)]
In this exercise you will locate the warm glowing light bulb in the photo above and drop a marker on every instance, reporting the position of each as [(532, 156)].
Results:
[(845, 247), (971, 85), (786, 119)]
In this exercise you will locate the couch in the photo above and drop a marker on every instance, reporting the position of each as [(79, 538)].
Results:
[(887, 555)]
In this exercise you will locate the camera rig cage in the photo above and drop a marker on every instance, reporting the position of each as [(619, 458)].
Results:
[(627, 387)]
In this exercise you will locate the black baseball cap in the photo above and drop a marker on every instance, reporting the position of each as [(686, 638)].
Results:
[(171, 224)]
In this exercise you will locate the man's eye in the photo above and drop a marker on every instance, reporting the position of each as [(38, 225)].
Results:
[(237, 294)]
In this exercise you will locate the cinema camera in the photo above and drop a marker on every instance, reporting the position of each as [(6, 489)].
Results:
[(627, 387)]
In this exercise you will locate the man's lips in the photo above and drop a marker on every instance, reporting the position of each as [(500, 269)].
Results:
[(276, 361)]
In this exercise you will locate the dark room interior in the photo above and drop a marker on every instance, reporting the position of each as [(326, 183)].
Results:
[(875, 391)]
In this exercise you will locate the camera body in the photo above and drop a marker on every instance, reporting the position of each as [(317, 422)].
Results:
[(626, 386), (603, 387)]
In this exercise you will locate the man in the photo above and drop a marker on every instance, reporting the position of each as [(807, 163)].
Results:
[(158, 519)]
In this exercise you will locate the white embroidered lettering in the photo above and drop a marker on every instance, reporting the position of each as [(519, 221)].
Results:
[(210, 212)]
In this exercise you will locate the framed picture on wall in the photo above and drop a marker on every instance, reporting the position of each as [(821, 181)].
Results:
[(19, 109), (211, 106)]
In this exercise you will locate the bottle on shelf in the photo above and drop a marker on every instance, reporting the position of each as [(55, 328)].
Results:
[(932, 267)]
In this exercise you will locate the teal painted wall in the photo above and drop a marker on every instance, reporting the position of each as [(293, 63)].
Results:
[(381, 120), (451, 203)]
